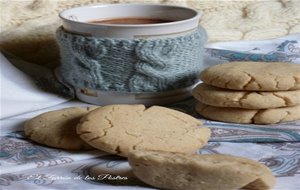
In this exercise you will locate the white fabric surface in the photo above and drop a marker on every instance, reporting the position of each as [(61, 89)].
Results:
[(19, 93)]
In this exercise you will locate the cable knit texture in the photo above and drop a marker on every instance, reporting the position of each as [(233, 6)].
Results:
[(137, 65), (28, 27)]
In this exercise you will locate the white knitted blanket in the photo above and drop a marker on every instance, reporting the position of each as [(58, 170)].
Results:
[(27, 27)]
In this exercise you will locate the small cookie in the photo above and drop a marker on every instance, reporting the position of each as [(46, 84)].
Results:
[(166, 170), (58, 128), (221, 97), (240, 115), (253, 76), (118, 129)]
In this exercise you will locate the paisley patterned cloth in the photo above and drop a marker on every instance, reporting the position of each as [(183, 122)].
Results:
[(284, 49), (27, 165)]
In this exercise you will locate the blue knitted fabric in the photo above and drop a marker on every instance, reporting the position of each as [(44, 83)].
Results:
[(130, 65)]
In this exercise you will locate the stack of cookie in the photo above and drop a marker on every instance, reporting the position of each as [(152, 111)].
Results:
[(250, 92)]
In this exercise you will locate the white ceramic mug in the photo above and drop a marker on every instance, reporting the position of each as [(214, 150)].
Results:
[(183, 20), (77, 20)]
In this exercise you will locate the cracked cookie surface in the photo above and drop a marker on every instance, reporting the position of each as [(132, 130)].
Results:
[(58, 128), (221, 97), (256, 116), (118, 129), (253, 76), (166, 170)]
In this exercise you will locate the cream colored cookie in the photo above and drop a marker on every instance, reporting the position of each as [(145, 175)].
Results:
[(58, 128), (240, 115), (253, 76), (166, 170), (118, 129), (221, 97)]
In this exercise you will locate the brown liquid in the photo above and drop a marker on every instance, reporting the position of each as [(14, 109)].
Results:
[(130, 21)]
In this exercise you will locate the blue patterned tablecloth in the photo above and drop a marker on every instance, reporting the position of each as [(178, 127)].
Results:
[(27, 165)]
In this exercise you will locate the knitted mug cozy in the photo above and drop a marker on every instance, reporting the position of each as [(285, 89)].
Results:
[(130, 65)]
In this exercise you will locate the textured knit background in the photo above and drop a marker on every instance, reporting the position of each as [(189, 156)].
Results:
[(28, 26)]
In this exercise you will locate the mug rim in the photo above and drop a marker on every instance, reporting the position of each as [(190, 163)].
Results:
[(197, 15)]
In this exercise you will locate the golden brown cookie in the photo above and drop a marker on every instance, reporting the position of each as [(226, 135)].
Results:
[(240, 115), (221, 97), (58, 128), (166, 170), (253, 76), (118, 129)]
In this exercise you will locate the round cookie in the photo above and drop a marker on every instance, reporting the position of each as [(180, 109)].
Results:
[(58, 128), (253, 76), (166, 170), (240, 115), (118, 129), (221, 97)]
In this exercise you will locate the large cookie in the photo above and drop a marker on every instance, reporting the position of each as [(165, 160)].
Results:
[(166, 170), (118, 129), (221, 97), (240, 115), (253, 76), (58, 128)]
